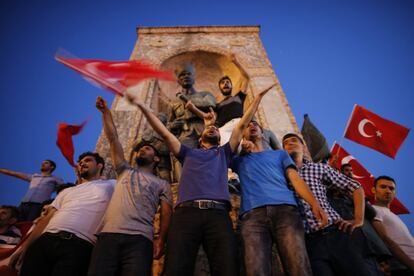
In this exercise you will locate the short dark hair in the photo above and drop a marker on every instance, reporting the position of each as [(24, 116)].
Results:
[(98, 158), (14, 211), (141, 144), (52, 163), (291, 134), (385, 177), (225, 78), (343, 166)]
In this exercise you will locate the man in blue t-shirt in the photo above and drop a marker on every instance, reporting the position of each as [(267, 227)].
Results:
[(201, 211), (268, 211)]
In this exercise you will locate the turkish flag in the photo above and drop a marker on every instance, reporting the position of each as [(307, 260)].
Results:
[(115, 76), (340, 157), (64, 140), (369, 129)]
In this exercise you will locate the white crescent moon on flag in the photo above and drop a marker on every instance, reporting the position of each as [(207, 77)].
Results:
[(346, 160), (361, 127)]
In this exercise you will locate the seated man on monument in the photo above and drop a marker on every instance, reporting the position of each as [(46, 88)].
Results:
[(229, 110), (201, 212), (184, 124)]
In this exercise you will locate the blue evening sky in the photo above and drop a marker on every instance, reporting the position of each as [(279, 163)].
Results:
[(328, 56)]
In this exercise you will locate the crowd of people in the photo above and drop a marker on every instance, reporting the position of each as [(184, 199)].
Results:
[(315, 216)]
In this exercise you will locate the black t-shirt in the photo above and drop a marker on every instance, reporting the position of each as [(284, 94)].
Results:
[(230, 108)]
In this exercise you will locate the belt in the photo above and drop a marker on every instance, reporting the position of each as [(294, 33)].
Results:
[(64, 235), (322, 232), (204, 204)]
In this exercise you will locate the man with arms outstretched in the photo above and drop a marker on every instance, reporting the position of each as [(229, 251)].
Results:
[(42, 185), (201, 211)]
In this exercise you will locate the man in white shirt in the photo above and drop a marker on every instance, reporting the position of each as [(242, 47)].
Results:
[(391, 228), (61, 242)]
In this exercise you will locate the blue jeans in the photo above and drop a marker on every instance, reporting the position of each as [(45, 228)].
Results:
[(279, 224), (191, 227), (121, 254)]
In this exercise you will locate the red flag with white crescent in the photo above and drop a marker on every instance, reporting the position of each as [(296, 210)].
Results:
[(369, 129), (340, 157), (64, 140), (115, 76)]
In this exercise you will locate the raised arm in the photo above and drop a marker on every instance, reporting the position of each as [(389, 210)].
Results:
[(165, 218), (19, 175), (172, 142), (237, 133), (304, 192), (117, 153)]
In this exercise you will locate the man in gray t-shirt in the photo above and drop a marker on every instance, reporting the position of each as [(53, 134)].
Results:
[(42, 185), (125, 241)]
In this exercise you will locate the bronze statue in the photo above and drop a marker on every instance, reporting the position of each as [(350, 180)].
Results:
[(183, 123)]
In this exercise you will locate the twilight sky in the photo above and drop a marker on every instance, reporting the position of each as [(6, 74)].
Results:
[(327, 55)]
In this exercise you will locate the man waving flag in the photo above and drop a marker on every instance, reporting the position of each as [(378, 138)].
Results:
[(369, 129)]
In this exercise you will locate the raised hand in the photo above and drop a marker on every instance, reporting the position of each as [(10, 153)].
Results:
[(101, 104), (210, 117), (247, 146)]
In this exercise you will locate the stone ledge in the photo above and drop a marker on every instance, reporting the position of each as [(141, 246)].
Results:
[(198, 29)]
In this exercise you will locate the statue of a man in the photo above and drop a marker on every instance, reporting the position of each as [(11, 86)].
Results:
[(182, 122)]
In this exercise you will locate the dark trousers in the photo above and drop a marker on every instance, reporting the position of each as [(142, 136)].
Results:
[(191, 227), (333, 252), (60, 255), (274, 224), (29, 211), (121, 254)]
